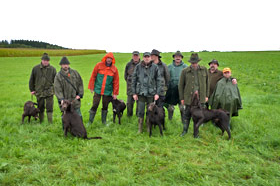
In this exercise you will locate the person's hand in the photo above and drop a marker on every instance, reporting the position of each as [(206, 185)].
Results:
[(182, 102), (234, 81), (78, 97), (206, 99), (33, 92), (135, 97), (91, 91), (61, 103), (156, 97), (114, 96)]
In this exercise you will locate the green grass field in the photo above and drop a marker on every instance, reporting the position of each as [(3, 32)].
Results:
[(39, 154)]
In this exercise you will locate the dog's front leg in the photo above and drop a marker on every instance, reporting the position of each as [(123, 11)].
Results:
[(196, 127), (160, 128), (114, 116)]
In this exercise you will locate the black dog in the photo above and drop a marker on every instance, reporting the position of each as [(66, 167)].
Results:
[(118, 108), (155, 116), (202, 115), (30, 110), (73, 122)]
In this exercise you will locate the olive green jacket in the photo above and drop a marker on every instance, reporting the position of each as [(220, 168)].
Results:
[(186, 84), (214, 78), (165, 77), (41, 80), (146, 80), (65, 91), (129, 69)]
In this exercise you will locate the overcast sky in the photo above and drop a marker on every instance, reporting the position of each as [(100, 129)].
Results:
[(127, 25)]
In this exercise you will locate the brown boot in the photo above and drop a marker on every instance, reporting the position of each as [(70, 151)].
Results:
[(49, 115), (41, 117), (140, 125)]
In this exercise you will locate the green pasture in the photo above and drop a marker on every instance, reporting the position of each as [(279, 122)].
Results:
[(39, 154)]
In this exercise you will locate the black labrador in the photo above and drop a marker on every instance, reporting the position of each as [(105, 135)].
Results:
[(202, 115), (30, 110), (118, 108), (73, 122), (155, 117)]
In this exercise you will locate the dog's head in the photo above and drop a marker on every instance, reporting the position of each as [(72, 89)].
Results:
[(195, 99), (66, 105)]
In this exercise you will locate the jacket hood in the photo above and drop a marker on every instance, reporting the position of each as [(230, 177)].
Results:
[(110, 55)]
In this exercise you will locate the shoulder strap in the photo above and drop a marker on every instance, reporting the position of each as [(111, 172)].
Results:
[(68, 81)]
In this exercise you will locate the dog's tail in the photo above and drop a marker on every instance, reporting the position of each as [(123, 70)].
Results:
[(97, 137)]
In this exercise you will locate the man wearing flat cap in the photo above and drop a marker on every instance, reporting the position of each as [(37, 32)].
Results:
[(165, 77), (146, 86), (41, 84), (68, 85), (172, 94), (193, 79), (129, 69)]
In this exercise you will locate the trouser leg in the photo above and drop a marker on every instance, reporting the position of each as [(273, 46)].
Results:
[(130, 104), (49, 108), (170, 110), (186, 119), (95, 102), (41, 106)]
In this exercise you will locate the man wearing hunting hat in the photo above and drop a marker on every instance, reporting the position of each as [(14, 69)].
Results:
[(172, 94), (41, 84), (165, 77), (129, 69), (193, 79), (215, 75), (68, 85), (104, 82), (146, 86)]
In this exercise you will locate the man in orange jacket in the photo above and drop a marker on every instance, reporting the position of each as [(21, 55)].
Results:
[(104, 82)]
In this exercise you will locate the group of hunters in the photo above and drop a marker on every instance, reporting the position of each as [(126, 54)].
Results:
[(149, 80)]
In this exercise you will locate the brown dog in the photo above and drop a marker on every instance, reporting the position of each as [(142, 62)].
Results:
[(155, 117), (202, 115), (30, 110), (73, 122)]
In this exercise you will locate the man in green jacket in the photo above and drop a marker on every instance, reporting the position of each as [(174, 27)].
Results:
[(146, 86), (41, 84), (193, 79), (226, 95), (68, 85), (165, 77), (129, 69), (172, 94)]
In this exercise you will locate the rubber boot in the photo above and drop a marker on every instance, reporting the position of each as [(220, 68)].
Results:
[(170, 112), (140, 125), (50, 117), (41, 117), (91, 116), (104, 116), (185, 127)]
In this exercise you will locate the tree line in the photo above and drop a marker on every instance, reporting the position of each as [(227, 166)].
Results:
[(28, 44)]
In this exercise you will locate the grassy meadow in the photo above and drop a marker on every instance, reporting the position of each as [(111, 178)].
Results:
[(39, 154)]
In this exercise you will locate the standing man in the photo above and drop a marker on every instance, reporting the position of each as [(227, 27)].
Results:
[(68, 85), (129, 69), (146, 86), (165, 77), (172, 94), (104, 82), (215, 75), (193, 79), (41, 84)]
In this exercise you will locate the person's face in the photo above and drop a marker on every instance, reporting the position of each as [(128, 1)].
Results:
[(65, 67), (213, 66), (135, 57), (194, 65), (109, 60), (154, 57), (227, 74), (147, 59), (45, 63), (177, 59)]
